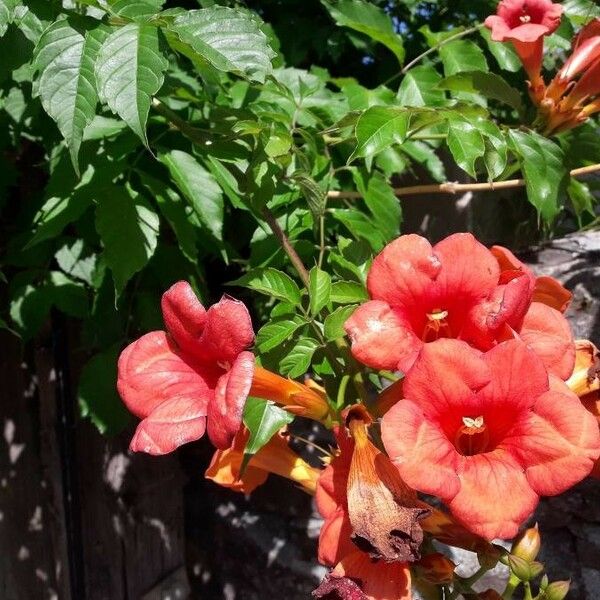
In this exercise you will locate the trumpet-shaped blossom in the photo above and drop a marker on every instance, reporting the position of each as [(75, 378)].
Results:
[(274, 457), (455, 289), (525, 23), (474, 428), (194, 376)]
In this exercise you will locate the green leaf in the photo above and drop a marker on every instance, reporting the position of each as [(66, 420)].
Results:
[(67, 295), (75, 261), (263, 419), (419, 87), (199, 187), (503, 52), (173, 209), (489, 85), (466, 145), (348, 292), (319, 289), (425, 155), (368, 19), (129, 71), (136, 9), (97, 393), (360, 226), (315, 196), (128, 228), (298, 359), (271, 282), (581, 11), (334, 323), (228, 39), (29, 308), (462, 55), (379, 127), (65, 61), (543, 165), (277, 332), (581, 197), (379, 196), (7, 8)]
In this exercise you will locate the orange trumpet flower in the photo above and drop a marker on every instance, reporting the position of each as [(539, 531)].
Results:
[(275, 457)]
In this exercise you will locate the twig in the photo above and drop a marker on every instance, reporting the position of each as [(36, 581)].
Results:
[(188, 130), (451, 187), (431, 50), (286, 245)]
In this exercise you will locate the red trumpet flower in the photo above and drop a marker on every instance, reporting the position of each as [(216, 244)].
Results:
[(524, 23), (192, 377), (476, 427)]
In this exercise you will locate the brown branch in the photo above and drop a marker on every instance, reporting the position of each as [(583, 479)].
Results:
[(450, 187), (286, 245)]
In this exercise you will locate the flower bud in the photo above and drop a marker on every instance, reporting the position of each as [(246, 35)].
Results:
[(527, 545), (557, 590), (435, 568), (520, 567)]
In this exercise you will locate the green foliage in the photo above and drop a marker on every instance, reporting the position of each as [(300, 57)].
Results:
[(149, 141)]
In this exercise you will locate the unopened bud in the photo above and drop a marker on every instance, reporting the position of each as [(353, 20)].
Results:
[(527, 545), (557, 590), (436, 568), (520, 567)]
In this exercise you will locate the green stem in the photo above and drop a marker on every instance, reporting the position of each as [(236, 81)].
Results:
[(433, 49), (511, 586), (527, 587), (389, 376), (465, 583), (195, 135), (341, 395)]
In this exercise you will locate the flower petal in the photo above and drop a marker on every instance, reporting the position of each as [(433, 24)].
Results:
[(518, 376), (151, 371), (381, 338), (175, 422), (403, 271), (556, 444), (469, 270), (446, 376), (335, 538), (226, 408), (495, 497), (228, 330), (184, 316), (420, 450), (550, 292), (548, 334)]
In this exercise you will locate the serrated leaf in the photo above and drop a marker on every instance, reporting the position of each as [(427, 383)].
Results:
[(136, 9), (543, 165), (424, 154), (128, 228), (334, 323), (419, 88), (369, 20), (272, 282), (65, 61), (263, 420), (315, 196), (276, 332), (503, 52), (581, 198), (319, 289), (75, 261), (488, 85), (7, 8), (227, 38), (97, 393), (462, 55), (199, 187), (360, 226), (129, 71), (29, 308), (298, 359), (379, 197), (172, 207), (348, 292), (379, 127), (466, 145)]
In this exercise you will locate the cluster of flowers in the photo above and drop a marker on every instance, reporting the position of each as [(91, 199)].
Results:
[(497, 402), (574, 93)]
